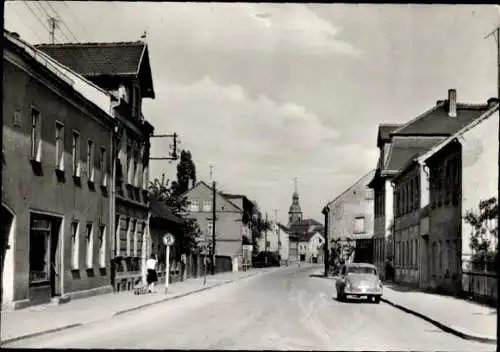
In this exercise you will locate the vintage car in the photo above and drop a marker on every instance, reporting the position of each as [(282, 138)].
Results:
[(359, 280)]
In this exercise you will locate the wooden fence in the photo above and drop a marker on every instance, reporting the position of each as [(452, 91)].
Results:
[(479, 281)]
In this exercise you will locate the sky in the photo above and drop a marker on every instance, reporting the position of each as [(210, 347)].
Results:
[(269, 92)]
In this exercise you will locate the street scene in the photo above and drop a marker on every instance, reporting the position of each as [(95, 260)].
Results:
[(250, 176)]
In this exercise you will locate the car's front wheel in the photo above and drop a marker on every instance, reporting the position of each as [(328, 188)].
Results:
[(376, 299)]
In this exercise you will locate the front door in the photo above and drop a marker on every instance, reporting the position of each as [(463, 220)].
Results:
[(7, 219)]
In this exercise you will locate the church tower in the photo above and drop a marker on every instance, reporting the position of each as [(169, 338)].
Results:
[(295, 213)]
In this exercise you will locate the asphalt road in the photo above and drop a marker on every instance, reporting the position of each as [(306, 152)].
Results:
[(281, 310)]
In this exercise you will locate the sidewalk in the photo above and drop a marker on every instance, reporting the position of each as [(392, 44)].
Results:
[(467, 319), (38, 320)]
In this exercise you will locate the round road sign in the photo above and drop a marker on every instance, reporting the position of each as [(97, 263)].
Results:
[(168, 239)]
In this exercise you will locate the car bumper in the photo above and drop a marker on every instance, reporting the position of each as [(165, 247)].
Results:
[(363, 292)]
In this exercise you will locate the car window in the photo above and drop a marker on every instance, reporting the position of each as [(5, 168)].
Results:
[(361, 270)]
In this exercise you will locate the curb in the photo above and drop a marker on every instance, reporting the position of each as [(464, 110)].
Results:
[(442, 326), (74, 325)]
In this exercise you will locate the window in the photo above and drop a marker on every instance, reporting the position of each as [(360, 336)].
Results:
[(102, 246), (359, 224), (36, 131), (90, 160), (75, 245), (369, 194), (135, 170), (117, 233), (104, 167), (75, 153), (145, 176), (130, 164), (210, 228), (39, 250), (195, 205), (59, 146), (130, 231), (207, 205), (89, 238), (135, 234)]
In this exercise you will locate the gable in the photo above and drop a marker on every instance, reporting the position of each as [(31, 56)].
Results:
[(202, 192), (361, 185)]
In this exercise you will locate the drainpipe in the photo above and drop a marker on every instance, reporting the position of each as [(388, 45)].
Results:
[(112, 208)]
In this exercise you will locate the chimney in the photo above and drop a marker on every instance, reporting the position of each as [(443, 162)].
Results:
[(492, 102), (452, 103)]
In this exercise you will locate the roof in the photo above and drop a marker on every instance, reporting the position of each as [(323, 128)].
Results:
[(160, 210), (303, 226), (364, 179), (283, 227), (437, 122), (384, 131), (83, 87), (493, 108), (406, 148), (121, 59)]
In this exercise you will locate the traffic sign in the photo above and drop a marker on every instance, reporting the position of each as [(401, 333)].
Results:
[(168, 239)]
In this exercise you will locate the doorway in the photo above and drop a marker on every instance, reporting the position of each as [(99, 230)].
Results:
[(44, 253), (7, 221)]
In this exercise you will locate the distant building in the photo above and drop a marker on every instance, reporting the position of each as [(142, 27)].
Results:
[(305, 236), (350, 216), (277, 241), (229, 226), (295, 212)]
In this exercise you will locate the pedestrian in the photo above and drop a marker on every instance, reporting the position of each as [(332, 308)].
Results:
[(152, 277)]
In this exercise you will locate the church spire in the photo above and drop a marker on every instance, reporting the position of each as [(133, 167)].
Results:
[(295, 212)]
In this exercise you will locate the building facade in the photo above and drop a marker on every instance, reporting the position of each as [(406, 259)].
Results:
[(462, 173), (229, 228), (56, 159), (350, 216), (128, 79), (398, 145), (277, 241)]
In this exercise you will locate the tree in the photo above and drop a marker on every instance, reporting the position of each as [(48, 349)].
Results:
[(252, 217), (484, 236), (186, 172), (341, 249), (164, 191)]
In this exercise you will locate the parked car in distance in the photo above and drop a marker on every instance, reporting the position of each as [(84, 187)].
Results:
[(359, 280), (266, 259)]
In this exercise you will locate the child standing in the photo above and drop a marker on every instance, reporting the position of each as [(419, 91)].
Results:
[(152, 276)]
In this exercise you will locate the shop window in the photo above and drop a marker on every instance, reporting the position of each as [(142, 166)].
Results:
[(136, 230)]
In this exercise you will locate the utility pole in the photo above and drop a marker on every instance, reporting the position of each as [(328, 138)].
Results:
[(277, 233), (214, 214), (53, 24)]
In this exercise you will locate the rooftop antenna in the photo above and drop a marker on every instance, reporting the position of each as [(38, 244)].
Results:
[(295, 184), (53, 25), (211, 171)]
